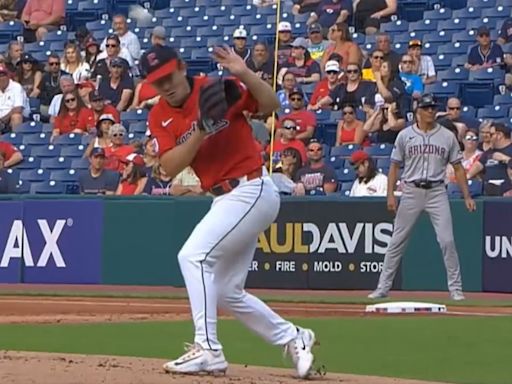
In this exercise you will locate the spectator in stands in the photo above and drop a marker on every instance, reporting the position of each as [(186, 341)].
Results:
[(13, 56), (92, 50), (127, 39), (41, 17), (13, 101), (316, 175), (304, 6), (342, 45), (240, 43), (383, 43), (300, 63), (67, 84), (89, 117), (470, 155), (117, 88), (369, 182), (412, 81), (287, 139), (74, 64), (376, 59), (317, 43), (286, 171), (97, 180), (304, 119), (284, 46), (158, 35), (486, 53), (12, 155), (261, 62), (85, 88), (50, 83), (389, 87), (496, 162), (453, 113), (423, 64), (133, 179), (145, 96), (150, 155), (186, 183), (289, 84), (330, 12), (82, 36), (384, 123), (485, 136), (507, 56), (102, 139), (29, 75), (350, 129), (370, 14), (67, 119), (354, 92), (116, 153), (505, 36), (158, 184), (326, 85), (8, 11), (7, 180), (105, 58)]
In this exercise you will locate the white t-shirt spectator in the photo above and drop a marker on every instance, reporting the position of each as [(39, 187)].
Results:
[(14, 96), (426, 68), (53, 109), (83, 71), (130, 42), (378, 186)]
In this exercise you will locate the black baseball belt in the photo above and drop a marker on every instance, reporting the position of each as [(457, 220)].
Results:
[(426, 184)]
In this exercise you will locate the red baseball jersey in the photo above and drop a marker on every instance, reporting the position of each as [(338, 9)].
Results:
[(226, 154), (8, 149)]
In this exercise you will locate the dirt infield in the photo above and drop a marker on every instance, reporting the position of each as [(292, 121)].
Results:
[(46, 368)]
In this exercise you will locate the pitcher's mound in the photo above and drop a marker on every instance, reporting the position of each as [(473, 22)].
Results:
[(52, 368)]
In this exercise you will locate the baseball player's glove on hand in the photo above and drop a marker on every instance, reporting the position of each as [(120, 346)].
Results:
[(215, 99)]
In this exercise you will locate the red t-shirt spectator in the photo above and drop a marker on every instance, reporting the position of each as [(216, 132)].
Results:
[(66, 123), (280, 146), (303, 118), (115, 157), (8, 149), (321, 90), (128, 189), (87, 118)]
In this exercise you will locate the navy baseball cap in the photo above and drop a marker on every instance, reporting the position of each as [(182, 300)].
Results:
[(117, 62), (159, 61), (97, 151), (427, 100), (96, 96), (296, 91)]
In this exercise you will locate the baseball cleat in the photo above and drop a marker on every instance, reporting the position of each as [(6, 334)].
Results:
[(198, 360), (377, 295), (457, 296), (299, 349)]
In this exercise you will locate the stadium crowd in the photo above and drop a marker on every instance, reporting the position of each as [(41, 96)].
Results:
[(75, 122)]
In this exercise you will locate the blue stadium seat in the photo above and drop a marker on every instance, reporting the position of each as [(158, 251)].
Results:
[(204, 21), (500, 12), (263, 30), (335, 162), (37, 139), (442, 62), (23, 187), (65, 175), (73, 150), (467, 13), (57, 46), (50, 187), (476, 94), (138, 127), (397, 26), (47, 128), (69, 139), (443, 88), (200, 54), (45, 151), (80, 163), (503, 99), (192, 42), (438, 14), (192, 12), (217, 11), (358, 38), (182, 3), (38, 46), (254, 20), (175, 21), (13, 138), (30, 127), (429, 49), (468, 111), (487, 74), (346, 174), (452, 25), (95, 6), (379, 150), (15, 173), (180, 31), (453, 48), (438, 37), (423, 25), (243, 10), (459, 60), (134, 116), (35, 104), (383, 163), (477, 23), (346, 187), (345, 150), (475, 189), (412, 10), (492, 112), (98, 25), (55, 163), (453, 74), (29, 162), (209, 3), (481, 3), (24, 149), (224, 21), (464, 36), (34, 175)]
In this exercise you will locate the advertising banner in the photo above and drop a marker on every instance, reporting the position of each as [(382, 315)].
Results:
[(11, 244), (61, 241), (497, 247), (323, 245)]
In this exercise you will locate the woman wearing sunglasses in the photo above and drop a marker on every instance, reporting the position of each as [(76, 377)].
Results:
[(67, 119), (470, 155), (350, 129)]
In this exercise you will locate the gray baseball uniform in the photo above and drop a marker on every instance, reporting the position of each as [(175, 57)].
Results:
[(424, 156)]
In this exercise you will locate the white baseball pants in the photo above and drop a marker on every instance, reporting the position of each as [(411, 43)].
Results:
[(215, 261)]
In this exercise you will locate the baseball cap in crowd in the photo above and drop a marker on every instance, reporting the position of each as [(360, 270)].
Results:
[(415, 43), (284, 26), (315, 28), (90, 42), (240, 33), (159, 31), (427, 100), (332, 66), (117, 129), (117, 62), (27, 58), (483, 30), (105, 117), (296, 91), (300, 42), (358, 156), (96, 96), (97, 151), (159, 61), (135, 158)]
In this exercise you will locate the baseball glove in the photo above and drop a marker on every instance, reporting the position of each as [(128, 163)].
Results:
[(215, 99)]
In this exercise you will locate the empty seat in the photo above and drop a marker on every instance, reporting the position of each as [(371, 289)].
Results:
[(50, 187), (37, 139), (344, 150), (494, 112), (30, 127), (55, 163), (73, 150), (346, 174), (453, 74), (80, 163), (69, 139), (45, 151), (29, 162), (443, 88), (13, 138), (34, 175), (65, 175), (379, 150)]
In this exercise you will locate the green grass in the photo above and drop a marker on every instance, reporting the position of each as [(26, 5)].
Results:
[(278, 298), (469, 350)]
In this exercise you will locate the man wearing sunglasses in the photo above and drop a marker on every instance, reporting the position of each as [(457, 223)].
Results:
[(50, 82), (304, 119), (486, 53), (112, 51), (412, 81), (424, 149), (287, 139), (316, 176)]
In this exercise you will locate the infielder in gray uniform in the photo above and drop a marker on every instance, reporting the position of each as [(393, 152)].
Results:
[(424, 149)]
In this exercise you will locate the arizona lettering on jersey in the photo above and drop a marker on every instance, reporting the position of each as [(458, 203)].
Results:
[(226, 154), (426, 149)]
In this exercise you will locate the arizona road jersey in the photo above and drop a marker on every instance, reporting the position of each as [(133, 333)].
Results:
[(425, 155), (226, 154)]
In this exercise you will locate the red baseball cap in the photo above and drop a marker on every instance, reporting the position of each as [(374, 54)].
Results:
[(136, 159), (358, 156)]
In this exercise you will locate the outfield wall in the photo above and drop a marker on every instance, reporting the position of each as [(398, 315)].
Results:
[(316, 243)]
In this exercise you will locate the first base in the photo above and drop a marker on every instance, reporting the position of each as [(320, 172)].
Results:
[(406, 307)]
